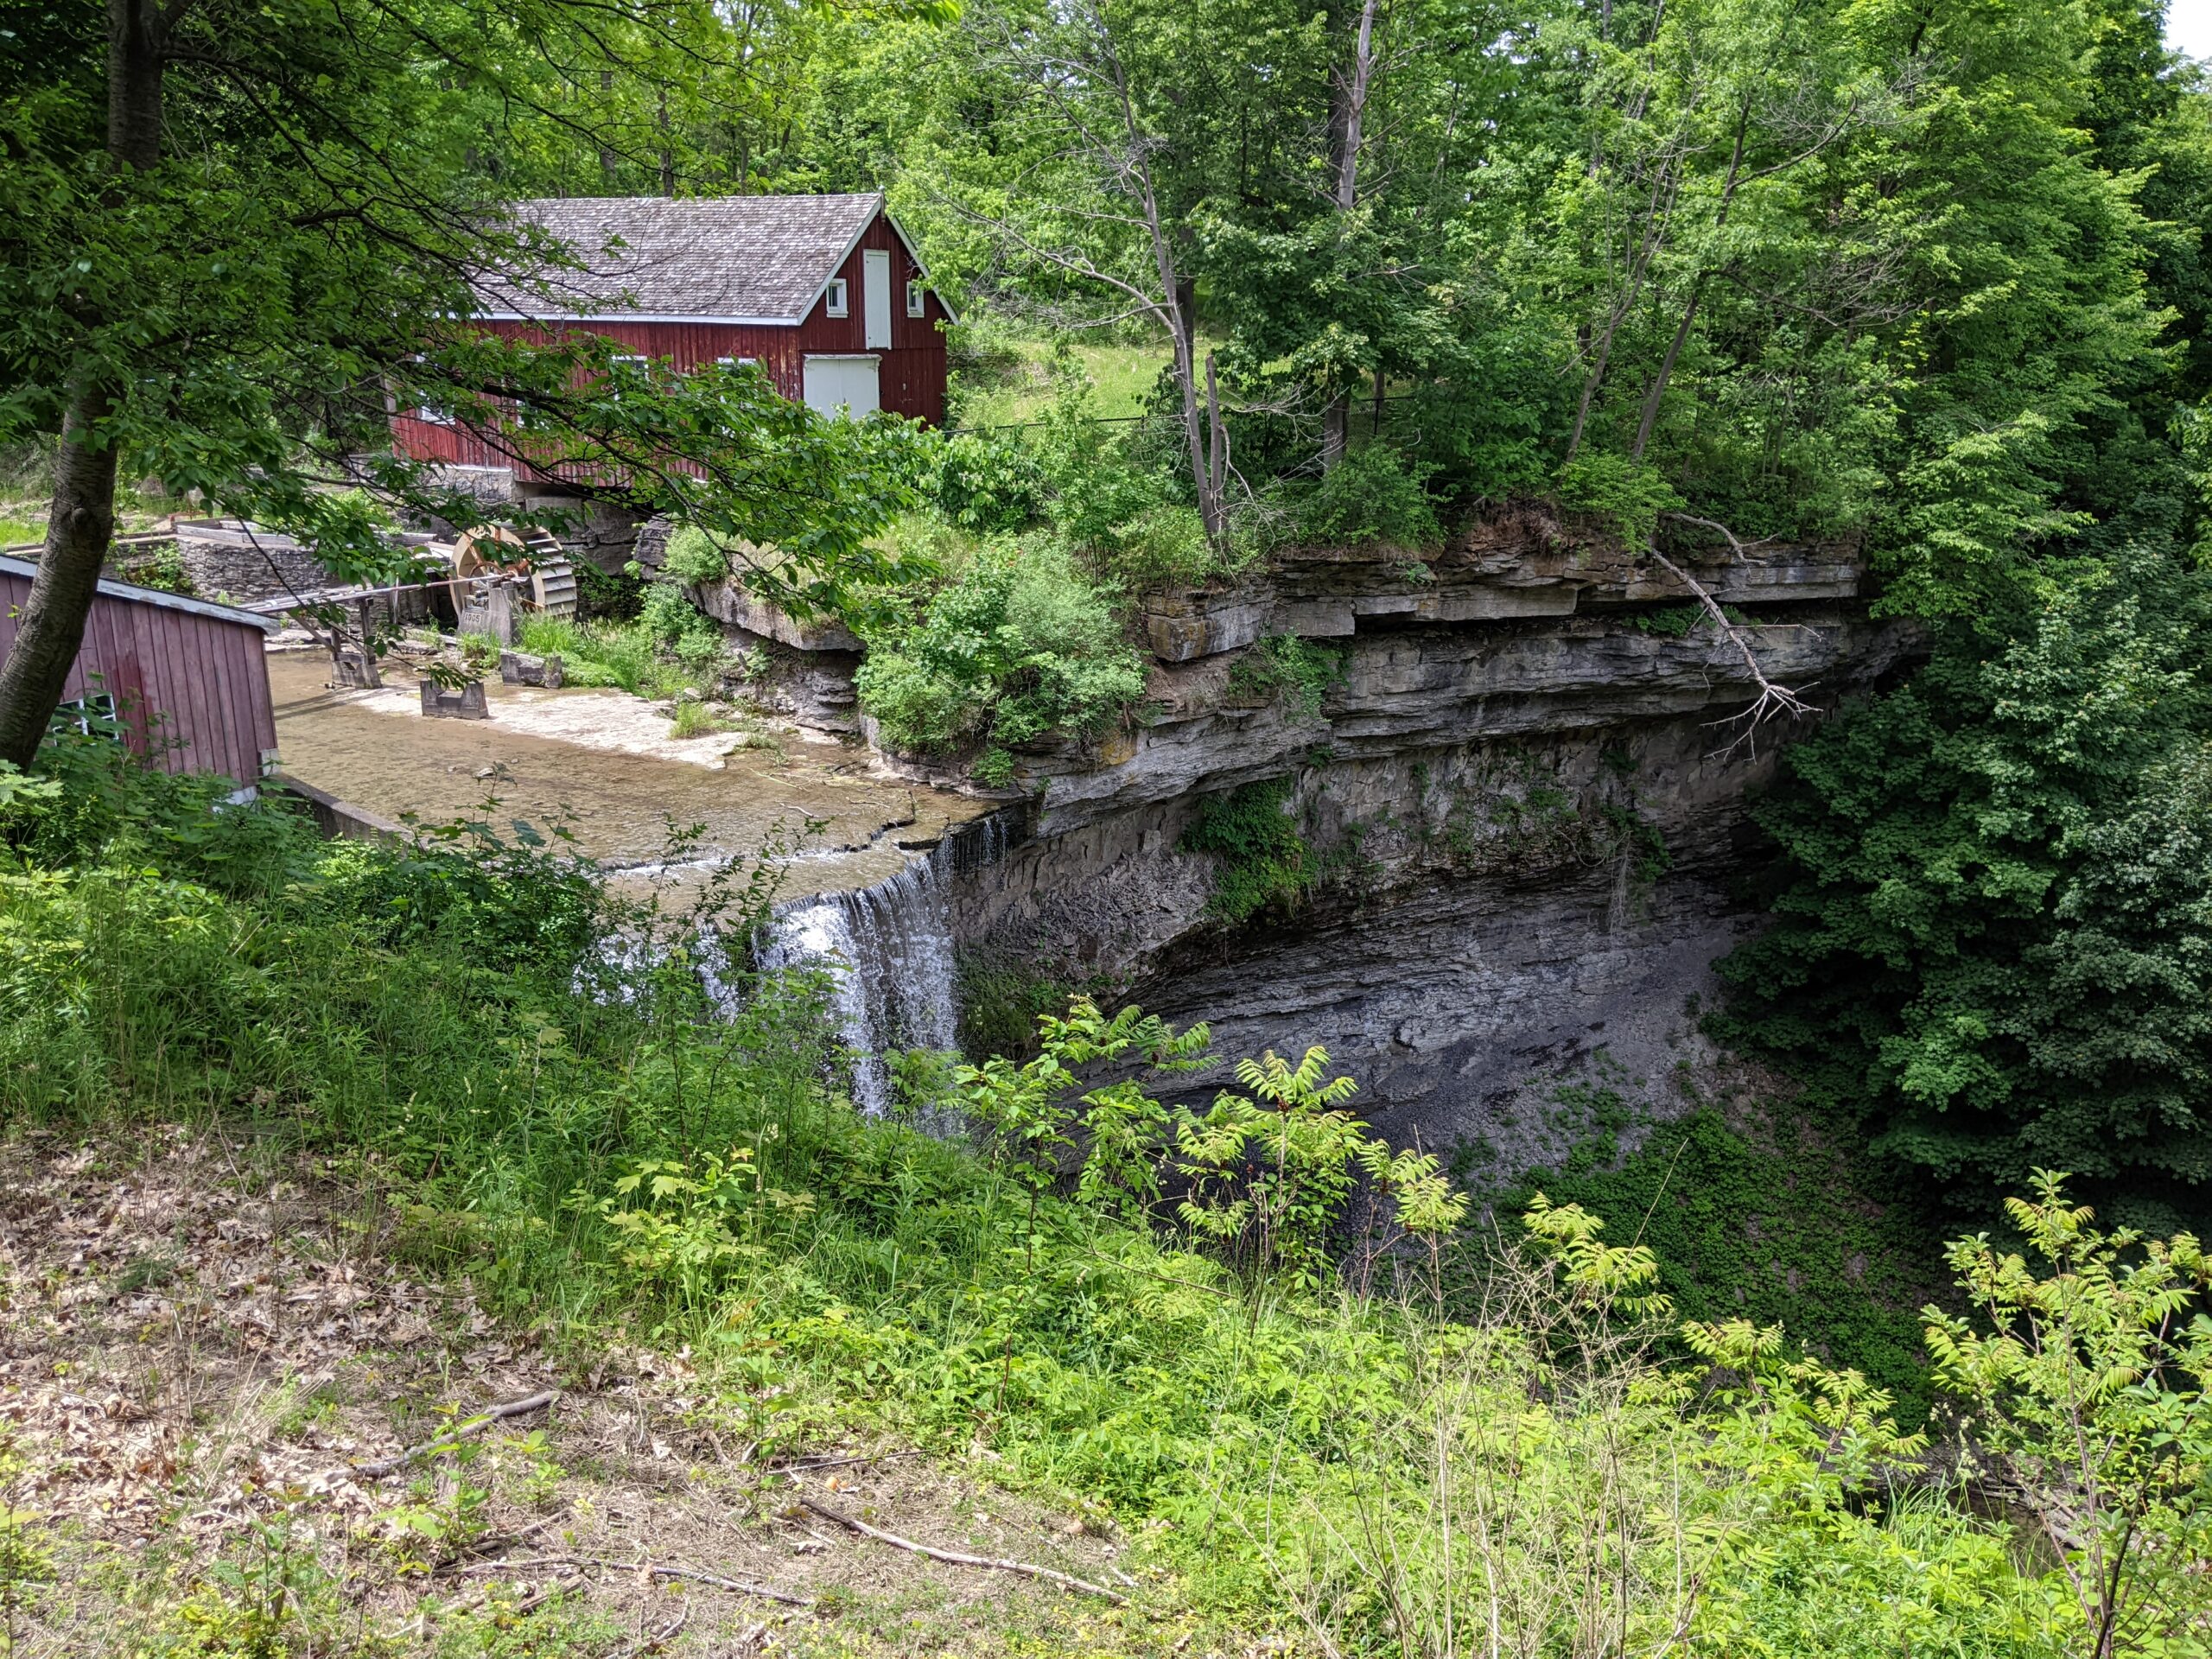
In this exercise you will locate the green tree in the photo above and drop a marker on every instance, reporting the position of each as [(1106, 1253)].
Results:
[(1993, 912), (2083, 1381), (239, 234)]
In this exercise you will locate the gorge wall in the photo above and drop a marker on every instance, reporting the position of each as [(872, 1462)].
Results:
[(1523, 793)]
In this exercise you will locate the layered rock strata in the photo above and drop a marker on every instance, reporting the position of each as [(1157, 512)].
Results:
[(1520, 803)]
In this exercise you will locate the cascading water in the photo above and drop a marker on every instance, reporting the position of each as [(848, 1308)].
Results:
[(888, 952)]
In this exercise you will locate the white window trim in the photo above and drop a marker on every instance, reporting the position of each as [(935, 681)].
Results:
[(918, 298), (837, 298)]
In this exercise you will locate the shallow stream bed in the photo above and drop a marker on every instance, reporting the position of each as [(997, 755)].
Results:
[(600, 762)]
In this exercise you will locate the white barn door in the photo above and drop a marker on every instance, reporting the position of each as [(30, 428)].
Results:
[(875, 294), (835, 385)]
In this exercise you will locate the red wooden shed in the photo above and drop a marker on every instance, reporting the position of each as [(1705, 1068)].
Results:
[(189, 679), (824, 292)]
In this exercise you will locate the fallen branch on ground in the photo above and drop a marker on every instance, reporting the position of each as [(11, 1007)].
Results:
[(468, 1430), (1026, 1568), (655, 1642), (836, 1463), (691, 1573)]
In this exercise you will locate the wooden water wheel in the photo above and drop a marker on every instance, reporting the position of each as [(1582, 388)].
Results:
[(535, 558)]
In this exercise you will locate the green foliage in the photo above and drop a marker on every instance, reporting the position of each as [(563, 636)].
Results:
[(1670, 621), (1371, 498), (2085, 1381), (678, 626), (607, 596), (1300, 671), (1016, 647), (669, 649), (1271, 1170), (695, 557), (161, 567), (1625, 496), (25, 1561), (1765, 1217), (1261, 858), (1258, 1379), (986, 483), (269, 1600), (233, 302), (1993, 896), (1001, 997)]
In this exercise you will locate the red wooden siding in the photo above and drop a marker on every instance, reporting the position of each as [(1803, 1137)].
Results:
[(193, 686), (911, 379)]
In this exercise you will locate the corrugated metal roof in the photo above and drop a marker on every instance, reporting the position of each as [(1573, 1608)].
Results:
[(156, 596), (739, 259)]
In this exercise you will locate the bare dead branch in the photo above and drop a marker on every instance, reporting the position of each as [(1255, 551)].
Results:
[(1026, 1569), (1774, 701), (467, 1431), (1735, 542)]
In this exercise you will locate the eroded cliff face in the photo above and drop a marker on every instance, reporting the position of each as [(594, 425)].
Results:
[(1524, 794)]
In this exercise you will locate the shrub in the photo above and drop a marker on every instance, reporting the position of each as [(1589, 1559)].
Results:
[(671, 648), (1018, 645), (694, 555), (1370, 498), (1283, 665), (677, 625), (1260, 857), (1626, 496), (986, 483), (1993, 900)]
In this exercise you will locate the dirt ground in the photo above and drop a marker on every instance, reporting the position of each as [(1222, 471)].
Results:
[(601, 763), (205, 1347)]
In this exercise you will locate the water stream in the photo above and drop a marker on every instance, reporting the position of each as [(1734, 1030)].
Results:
[(888, 951)]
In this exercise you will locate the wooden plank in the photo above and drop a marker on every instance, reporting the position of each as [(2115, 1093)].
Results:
[(224, 741), (220, 745), (176, 691)]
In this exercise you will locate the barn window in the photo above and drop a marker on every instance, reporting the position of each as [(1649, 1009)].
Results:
[(436, 414), (624, 371), (94, 714), (835, 304), (915, 295)]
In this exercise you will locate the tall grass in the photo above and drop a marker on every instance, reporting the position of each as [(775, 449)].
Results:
[(618, 655), (537, 1081)]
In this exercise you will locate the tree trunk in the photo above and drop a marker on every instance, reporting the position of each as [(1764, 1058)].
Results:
[(1348, 122), (52, 626), (80, 524)]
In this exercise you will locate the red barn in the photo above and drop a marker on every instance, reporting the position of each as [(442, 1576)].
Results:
[(824, 292), (187, 680)]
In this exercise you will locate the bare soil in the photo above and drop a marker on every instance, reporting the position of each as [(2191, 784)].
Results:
[(203, 1342)]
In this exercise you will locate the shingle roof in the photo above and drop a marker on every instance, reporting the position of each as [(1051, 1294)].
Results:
[(734, 258)]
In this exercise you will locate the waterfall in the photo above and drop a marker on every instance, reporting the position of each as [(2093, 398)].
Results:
[(888, 951)]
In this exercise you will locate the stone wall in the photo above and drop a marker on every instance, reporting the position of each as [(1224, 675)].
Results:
[(225, 562)]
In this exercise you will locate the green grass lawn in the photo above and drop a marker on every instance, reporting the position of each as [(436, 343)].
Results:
[(1010, 392)]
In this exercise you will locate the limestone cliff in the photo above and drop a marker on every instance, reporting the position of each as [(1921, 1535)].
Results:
[(1522, 796)]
